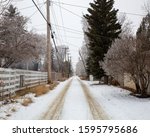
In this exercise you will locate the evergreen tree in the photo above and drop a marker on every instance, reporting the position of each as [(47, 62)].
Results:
[(102, 31), (11, 12), (143, 33)]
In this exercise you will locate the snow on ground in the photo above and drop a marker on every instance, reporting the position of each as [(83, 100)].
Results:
[(35, 110), (75, 105), (7, 110), (118, 104)]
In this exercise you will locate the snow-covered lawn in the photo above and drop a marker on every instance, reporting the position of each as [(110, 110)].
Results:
[(119, 104)]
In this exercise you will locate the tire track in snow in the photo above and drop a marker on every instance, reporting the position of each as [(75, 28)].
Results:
[(96, 109), (56, 106)]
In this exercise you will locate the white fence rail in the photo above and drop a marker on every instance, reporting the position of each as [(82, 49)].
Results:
[(12, 80)]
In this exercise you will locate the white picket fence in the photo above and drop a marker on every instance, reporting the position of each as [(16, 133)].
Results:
[(12, 80)]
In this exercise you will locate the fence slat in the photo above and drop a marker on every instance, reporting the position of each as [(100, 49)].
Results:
[(12, 78), (16, 79)]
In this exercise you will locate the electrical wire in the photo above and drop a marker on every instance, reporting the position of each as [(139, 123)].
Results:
[(41, 8), (4, 8), (56, 25), (41, 14), (48, 24), (34, 12), (56, 22), (81, 33), (79, 6), (62, 21), (67, 28), (69, 11)]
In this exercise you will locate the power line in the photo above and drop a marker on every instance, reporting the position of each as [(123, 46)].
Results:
[(49, 26), (80, 33), (48, 39), (62, 20), (28, 7), (79, 6), (54, 42), (4, 8), (67, 28), (61, 27), (69, 11), (41, 14), (96, 35), (41, 7), (57, 53), (56, 22), (72, 37), (83, 33), (71, 31), (131, 13), (35, 12)]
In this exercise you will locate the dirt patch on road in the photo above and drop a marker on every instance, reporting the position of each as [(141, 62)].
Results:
[(55, 108), (96, 109)]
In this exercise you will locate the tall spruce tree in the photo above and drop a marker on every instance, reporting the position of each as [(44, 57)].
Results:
[(143, 33), (103, 29)]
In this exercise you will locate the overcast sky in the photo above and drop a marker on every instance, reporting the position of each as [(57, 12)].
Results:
[(70, 18)]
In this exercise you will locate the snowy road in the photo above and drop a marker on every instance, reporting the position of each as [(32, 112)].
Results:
[(74, 102), (96, 109), (56, 106), (74, 99)]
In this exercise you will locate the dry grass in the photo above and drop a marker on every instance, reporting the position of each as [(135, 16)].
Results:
[(53, 85), (8, 115), (130, 89), (27, 101), (62, 79), (83, 78), (13, 110), (37, 90)]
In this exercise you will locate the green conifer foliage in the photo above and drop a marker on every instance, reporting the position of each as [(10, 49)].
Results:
[(103, 29)]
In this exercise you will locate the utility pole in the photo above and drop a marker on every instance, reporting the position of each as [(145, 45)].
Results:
[(49, 47), (69, 66)]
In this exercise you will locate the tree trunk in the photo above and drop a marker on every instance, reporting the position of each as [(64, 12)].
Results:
[(138, 90), (105, 79), (144, 93)]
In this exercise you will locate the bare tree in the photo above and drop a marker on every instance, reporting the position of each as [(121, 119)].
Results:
[(16, 43), (84, 52), (127, 56), (61, 60), (80, 71), (4, 5), (146, 6), (126, 26), (131, 56)]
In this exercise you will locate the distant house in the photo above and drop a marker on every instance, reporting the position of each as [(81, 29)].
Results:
[(27, 65)]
